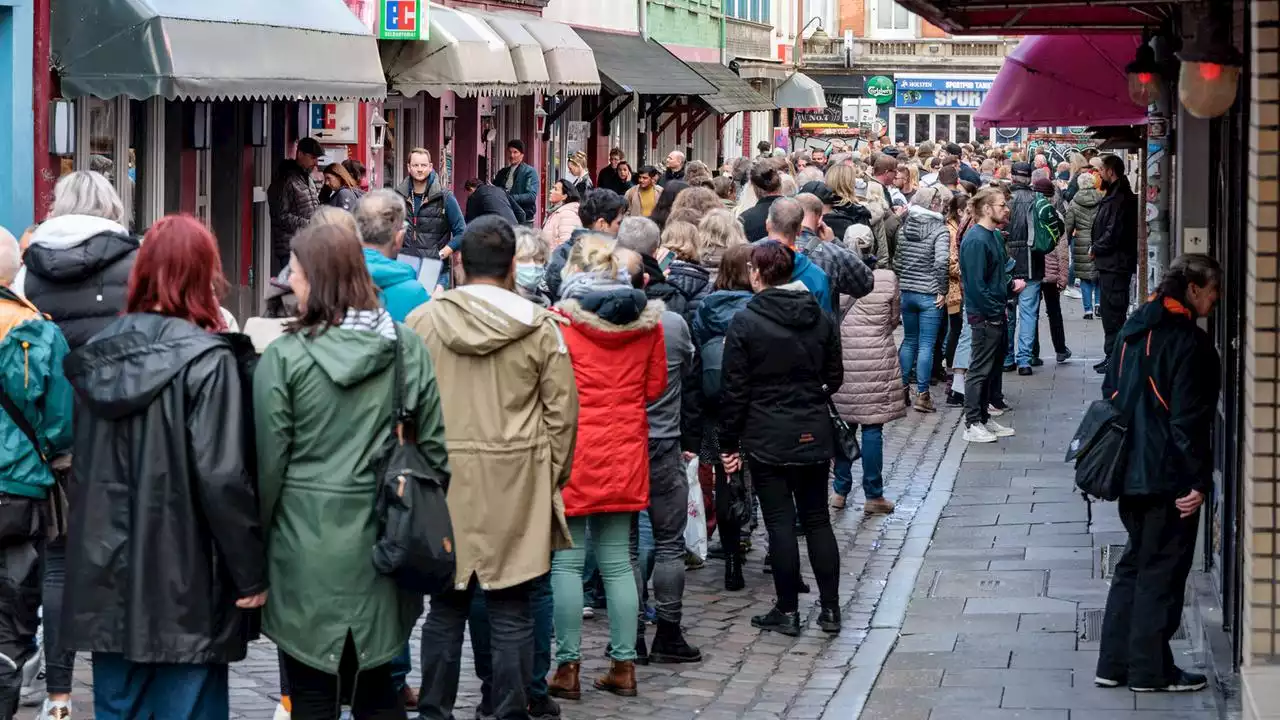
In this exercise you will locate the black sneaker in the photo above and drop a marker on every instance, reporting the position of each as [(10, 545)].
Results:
[(1088, 316), (787, 623), (955, 399), (1182, 681), (543, 708), (1010, 367), (1101, 367), (1036, 362), (1024, 371), (1064, 356), (829, 620)]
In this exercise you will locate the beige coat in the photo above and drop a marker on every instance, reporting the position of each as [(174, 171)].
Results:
[(633, 200), (511, 418), (872, 389), (560, 224)]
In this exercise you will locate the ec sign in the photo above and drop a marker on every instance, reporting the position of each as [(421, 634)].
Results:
[(402, 20)]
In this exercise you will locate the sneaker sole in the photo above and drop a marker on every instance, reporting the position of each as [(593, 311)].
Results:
[(662, 659), (620, 692), (1173, 688), (1106, 682), (983, 441), (828, 628)]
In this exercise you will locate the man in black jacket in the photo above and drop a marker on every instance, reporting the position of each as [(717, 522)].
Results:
[(1115, 250), (489, 199)]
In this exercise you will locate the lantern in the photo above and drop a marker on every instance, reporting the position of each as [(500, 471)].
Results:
[(540, 119), (1144, 77), (1210, 71)]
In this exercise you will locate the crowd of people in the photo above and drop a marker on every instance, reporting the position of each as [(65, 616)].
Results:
[(569, 381)]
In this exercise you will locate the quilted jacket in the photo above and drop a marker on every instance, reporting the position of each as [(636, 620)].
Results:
[(872, 389)]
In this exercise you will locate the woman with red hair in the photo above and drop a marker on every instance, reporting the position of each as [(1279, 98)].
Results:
[(165, 552)]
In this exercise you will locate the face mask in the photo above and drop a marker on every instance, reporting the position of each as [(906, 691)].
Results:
[(529, 275)]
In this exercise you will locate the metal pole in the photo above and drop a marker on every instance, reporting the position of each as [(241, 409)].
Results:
[(41, 97)]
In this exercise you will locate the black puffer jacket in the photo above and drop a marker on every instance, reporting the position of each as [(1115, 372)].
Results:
[(1172, 426), (77, 272), (778, 354), (658, 288), (693, 282), (842, 217), (164, 533)]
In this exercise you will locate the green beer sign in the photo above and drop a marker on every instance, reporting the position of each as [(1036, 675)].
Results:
[(880, 88)]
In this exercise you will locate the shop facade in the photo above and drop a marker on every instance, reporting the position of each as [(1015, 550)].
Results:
[(936, 107)]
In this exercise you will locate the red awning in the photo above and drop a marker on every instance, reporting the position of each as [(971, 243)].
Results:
[(1041, 17)]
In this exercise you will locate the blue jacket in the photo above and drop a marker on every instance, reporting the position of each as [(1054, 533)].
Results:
[(815, 280), (398, 288), (31, 355), (524, 188)]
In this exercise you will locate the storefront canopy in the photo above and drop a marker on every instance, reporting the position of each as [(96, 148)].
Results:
[(570, 62), (733, 94), (1063, 81), (227, 49), (629, 63), (463, 54), (526, 52), (1020, 17), (800, 91)]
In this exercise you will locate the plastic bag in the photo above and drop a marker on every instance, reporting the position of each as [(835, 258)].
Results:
[(695, 530)]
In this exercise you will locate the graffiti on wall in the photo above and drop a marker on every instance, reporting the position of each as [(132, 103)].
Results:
[(1057, 148)]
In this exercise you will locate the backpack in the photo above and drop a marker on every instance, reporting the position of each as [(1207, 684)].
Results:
[(712, 353), (415, 533), (1040, 237)]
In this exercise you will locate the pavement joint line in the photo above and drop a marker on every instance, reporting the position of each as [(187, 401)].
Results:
[(855, 689)]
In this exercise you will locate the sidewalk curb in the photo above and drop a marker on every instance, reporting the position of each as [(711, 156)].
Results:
[(890, 613)]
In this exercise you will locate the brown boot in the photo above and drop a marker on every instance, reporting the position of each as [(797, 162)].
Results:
[(878, 506), (564, 684), (924, 403), (620, 680)]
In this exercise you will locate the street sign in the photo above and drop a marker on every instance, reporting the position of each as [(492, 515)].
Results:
[(402, 20), (880, 88), (333, 123)]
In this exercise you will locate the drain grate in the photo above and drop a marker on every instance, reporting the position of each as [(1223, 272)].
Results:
[(1089, 627), (1105, 565)]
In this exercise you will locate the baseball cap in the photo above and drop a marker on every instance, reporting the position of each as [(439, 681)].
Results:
[(820, 190), (310, 146), (1023, 169)]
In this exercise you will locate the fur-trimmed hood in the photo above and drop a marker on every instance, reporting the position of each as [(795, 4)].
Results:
[(614, 315)]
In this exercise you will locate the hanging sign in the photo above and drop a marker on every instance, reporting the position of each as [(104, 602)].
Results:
[(333, 123), (880, 88), (402, 20), (958, 93)]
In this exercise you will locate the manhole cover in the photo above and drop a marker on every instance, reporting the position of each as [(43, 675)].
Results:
[(989, 584), (1108, 556), (1089, 626)]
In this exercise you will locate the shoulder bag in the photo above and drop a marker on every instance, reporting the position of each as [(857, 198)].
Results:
[(58, 506)]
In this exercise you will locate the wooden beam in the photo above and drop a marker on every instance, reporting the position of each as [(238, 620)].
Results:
[(616, 110), (724, 120), (599, 107)]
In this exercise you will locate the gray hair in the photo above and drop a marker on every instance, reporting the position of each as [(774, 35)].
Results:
[(789, 187), (10, 257), (530, 246), (1086, 181), (933, 198), (639, 234), (810, 174), (328, 215), (380, 217), (786, 216), (85, 192)]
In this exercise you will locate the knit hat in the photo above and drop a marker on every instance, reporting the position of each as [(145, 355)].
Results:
[(1044, 186)]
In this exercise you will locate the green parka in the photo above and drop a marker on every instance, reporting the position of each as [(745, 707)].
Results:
[(322, 408), (1079, 231)]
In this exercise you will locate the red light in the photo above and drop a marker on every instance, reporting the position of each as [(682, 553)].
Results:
[(1145, 78), (1210, 71)]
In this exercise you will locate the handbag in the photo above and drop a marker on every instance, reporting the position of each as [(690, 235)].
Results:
[(414, 546), (59, 468), (846, 435), (740, 510)]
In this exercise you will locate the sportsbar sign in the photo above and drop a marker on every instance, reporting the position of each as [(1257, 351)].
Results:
[(402, 20), (937, 92)]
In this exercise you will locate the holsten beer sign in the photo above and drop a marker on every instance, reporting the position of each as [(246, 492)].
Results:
[(880, 89)]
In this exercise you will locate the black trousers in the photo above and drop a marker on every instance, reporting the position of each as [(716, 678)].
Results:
[(983, 381), (1113, 295), (510, 643), (1053, 308), (21, 523), (1144, 607), (954, 324), (730, 533), (317, 695), (785, 491)]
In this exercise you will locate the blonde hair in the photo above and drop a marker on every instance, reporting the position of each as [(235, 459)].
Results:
[(327, 215), (530, 246), (593, 253), (1087, 181), (681, 238), (718, 232), (693, 204), (843, 179)]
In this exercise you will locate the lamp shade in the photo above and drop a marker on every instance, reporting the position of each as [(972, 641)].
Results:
[(1207, 89)]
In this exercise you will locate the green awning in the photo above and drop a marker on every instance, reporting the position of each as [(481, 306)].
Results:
[(228, 49)]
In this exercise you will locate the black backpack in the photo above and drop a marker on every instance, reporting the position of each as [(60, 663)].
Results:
[(415, 534)]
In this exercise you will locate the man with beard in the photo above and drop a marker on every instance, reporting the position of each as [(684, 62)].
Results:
[(1115, 249)]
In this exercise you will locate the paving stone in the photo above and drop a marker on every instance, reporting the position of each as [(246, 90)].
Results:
[(988, 677), (1084, 697), (998, 714), (1019, 606)]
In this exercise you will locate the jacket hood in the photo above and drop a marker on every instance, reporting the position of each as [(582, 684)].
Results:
[(613, 316), (718, 309), (133, 359), (1151, 315), (789, 308), (688, 278), (386, 272), (71, 248), (1088, 197), (349, 357), (802, 264), (481, 319), (67, 231)]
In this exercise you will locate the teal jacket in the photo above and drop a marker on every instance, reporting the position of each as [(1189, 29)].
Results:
[(813, 278), (398, 288), (31, 353)]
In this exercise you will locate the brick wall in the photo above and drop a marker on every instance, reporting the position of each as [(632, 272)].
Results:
[(853, 16)]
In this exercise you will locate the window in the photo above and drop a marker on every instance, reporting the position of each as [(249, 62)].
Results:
[(891, 20), (764, 12), (901, 127), (755, 10), (943, 131), (963, 132)]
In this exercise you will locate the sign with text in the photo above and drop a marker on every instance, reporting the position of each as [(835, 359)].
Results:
[(939, 92), (402, 20), (334, 123), (880, 88)]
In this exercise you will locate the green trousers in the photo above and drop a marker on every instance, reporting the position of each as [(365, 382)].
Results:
[(611, 540)]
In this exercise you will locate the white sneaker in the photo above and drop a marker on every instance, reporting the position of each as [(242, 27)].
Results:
[(1072, 293), (60, 710), (994, 411), (978, 434), (33, 684), (588, 612), (281, 713), (999, 430)]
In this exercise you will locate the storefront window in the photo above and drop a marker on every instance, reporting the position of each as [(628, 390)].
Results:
[(943, 132), (132, 180), (922, 132), (103, 125), (964, 131), (901, 127)]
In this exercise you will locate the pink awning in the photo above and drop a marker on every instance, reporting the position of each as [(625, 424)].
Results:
[(1064, 81)]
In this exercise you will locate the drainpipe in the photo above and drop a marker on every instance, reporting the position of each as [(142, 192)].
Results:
[(1159, 181), (644, 18)]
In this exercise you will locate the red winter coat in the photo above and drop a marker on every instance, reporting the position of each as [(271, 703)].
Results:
[(619, 369)]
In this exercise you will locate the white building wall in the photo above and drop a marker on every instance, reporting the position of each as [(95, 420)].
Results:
[(619, 15)]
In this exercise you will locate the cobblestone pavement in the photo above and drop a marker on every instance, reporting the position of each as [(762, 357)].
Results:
[(1004, 614), (745, 673)]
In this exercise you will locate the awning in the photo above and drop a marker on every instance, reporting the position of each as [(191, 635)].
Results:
[(526, 52), (569, 60), (229, 49), (1063, 81), (733, 94), (463, 54), (629, 63), (800, 91), (1023, 17), (843, 84)]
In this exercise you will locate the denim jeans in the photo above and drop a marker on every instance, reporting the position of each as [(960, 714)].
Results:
[(920, 321), (872, 466), (645, 554), (1089, 294), (611, 540), (668, 514), (1023, 326), (124, 690), (543, 609)]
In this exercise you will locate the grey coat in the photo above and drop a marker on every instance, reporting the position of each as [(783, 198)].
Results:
[(872, 389), (922, 257), (1079, 229)]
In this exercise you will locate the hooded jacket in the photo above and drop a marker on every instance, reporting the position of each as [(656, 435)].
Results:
[(511, 417), (659, 288), (620, 365), (1168, 377), (163, 497), (694, 283), (1079, 231), (779, 353), (323, 404), (76, 271), (813, 278), (843, 216), (560, 224), (1115, 230), (924, 251), (32, 351), (872, 389), (711, 321), (488, 199), (399, 290)]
